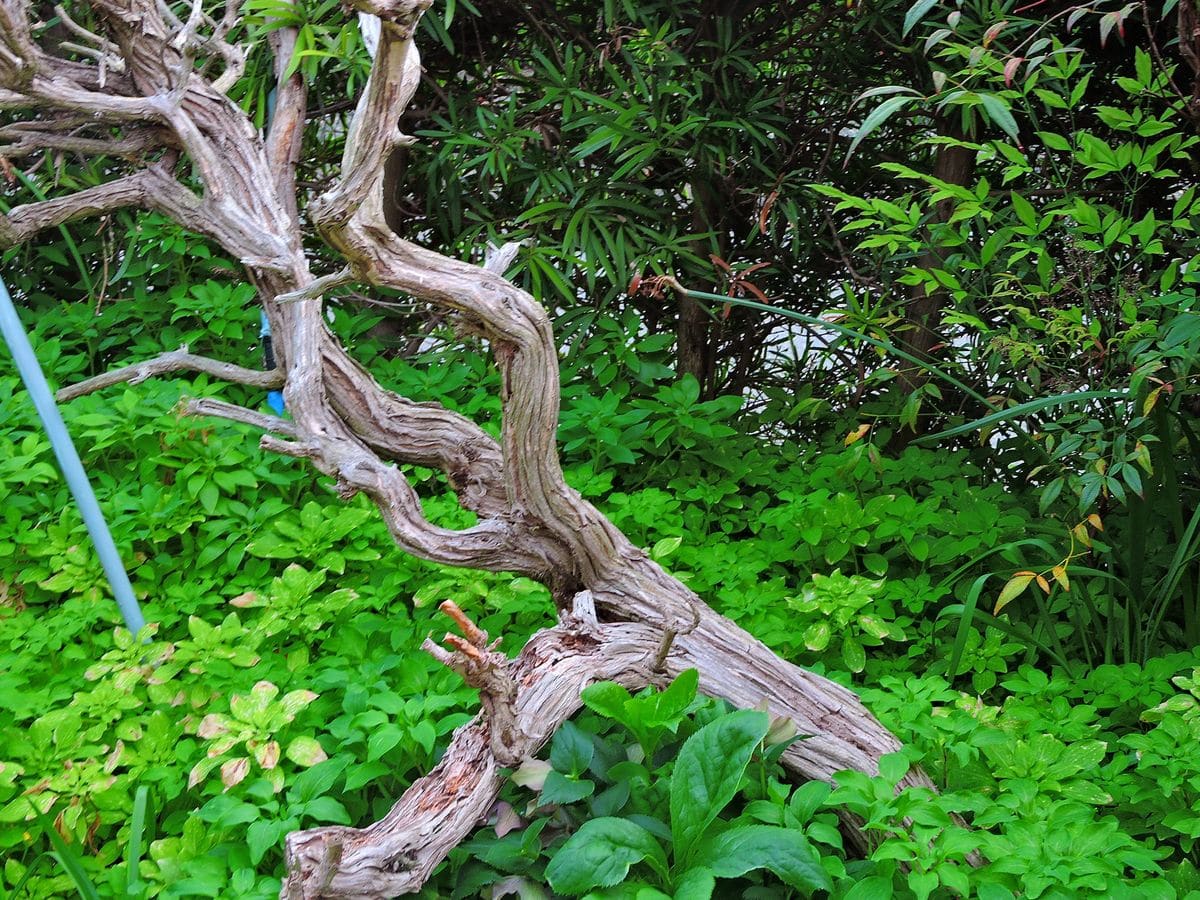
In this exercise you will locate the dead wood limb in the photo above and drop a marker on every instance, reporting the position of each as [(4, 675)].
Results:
[(21, 139), (24, 221), (397, 854), (207, 406), (424, 434), (174, 361)]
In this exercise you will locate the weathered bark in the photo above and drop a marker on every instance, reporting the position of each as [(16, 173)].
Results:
[(923, 314), (622, 615), (1188, 26)]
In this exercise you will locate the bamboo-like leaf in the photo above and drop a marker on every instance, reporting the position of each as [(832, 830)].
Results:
[(998, 112), (1023, 409), (884, 91), (878, 116), (915, 14)]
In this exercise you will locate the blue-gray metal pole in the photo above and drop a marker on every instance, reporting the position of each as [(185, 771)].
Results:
[(14, 335)]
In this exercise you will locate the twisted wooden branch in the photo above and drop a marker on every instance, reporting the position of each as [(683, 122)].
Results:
[(174, 361)]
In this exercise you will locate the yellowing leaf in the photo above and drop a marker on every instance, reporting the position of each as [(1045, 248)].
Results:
[(212, 725), (1141, 455), (267, 755), (1150, 400), (1012, 590), (1081, 534), (531, 774), (993, 32), (1095, 521), (857, 434), (1043, 584), (306, 751), (1060, 575)]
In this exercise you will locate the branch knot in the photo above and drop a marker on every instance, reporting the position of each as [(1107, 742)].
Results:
[(484, 667)]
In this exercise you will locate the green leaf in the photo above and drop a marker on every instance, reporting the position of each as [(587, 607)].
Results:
[(915, 14), (601, 853), (558, 788), (708, 773), (424, 734), (261, 836), (878, 116), (893, 767), (853, 654), (666, 708), (1024, 210), (382, 740), (319, 780), (606, 698), (999, 113), (784, 851), (664, 548), (572, 750), (695, 884), (327, 810), (817, 635), (877, 887)]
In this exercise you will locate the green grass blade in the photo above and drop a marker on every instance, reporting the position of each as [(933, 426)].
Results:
[(1012, 629), (1022, 409), (1040, 543), (16, 891), (73, 247), (67, 856), (137, 831), (964, 625), (1186, 551)]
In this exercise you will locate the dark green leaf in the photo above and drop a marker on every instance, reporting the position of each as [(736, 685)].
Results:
[(708, 772), (784, 851), (600, 854)]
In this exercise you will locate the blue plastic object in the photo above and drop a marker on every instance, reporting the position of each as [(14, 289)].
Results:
[(274, 398), (14, 335)]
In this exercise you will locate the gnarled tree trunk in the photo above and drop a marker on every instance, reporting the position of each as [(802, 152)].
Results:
[(621, 615)]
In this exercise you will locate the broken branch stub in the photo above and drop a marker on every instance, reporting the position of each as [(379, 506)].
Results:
[(622, 617)]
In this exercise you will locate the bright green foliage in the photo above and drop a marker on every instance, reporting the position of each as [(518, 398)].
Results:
[(996, 544), (659, 822), (1062, 262)]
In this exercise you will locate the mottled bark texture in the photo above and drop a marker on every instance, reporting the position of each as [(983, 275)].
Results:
[(152, 99)]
